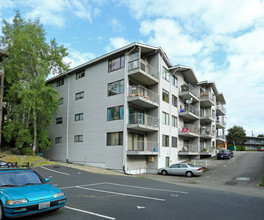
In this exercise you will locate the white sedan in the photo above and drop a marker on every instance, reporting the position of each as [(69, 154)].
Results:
[(185, 169)]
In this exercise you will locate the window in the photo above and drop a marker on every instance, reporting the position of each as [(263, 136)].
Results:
[(116, 88), (80, 75), (61, 101), (165, 118), (174, 121), (115, 113), (173, 141), (116, 63), (78, 138), (165, 74), (60, 82), (79, 95), (165, 140), (59, 120), (165, 96), (174, 101), (174, 81), (58, 140), (114, 138), (79, 117)]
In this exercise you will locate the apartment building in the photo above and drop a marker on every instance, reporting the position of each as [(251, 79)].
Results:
[(131, 110), (2, 56), (253, 143)]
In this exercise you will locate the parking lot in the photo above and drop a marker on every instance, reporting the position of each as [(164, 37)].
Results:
[(98, 196)]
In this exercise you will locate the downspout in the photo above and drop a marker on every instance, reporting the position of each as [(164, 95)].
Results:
[(125, 112), (67, 119)]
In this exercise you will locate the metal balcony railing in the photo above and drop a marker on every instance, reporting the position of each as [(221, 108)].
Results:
[(221, 107), (220, 120), (207, 131), (189, 88), (189, 128), (144, 66), (207, 96), (190, 148), (148, 146), (207, 113), (190, 109), (143, 119), (141, 91)]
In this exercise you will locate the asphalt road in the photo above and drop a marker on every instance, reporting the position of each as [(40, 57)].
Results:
[(97, 196)]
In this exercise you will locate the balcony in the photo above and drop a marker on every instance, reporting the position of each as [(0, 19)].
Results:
[(207, 133), (188, 91), (220, 138), (142, 148), (142, 122), (189, 112), (142, 96), (207, 99), (143, 72), (220, 109), (189, 130), (206, 115), (189, 150), (220, 123)]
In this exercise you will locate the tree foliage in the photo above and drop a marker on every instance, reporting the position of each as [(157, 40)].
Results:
[(236, 135), (31, 103)]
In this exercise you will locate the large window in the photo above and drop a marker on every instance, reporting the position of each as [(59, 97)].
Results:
[(165, 74), (173, 141), (59, 120), (79, 95), (115, 113), (58, 140), (114, 138), (165, 96), (165, 118), (78, 138), (80, 75), (60, 82), (174, 81), (116, 63), (165, 140), (78, 117), (174, 101), (174, 121), (116, 88)]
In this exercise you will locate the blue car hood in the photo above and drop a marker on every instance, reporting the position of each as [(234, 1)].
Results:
[(31, 193)]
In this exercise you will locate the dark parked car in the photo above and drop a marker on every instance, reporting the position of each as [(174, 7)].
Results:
[(261, 149), (225, 154)]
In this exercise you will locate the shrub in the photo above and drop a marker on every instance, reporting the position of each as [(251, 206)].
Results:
[(240, 148)]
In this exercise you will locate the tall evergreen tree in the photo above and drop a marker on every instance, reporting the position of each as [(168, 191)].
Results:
[(31, 103)]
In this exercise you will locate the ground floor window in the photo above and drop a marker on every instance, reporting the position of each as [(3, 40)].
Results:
[(58, 140), (165, 140), (135, 142)]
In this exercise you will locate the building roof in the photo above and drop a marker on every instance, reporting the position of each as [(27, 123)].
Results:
[(126, 49), (209, 83), (220, 98), (188, 73)]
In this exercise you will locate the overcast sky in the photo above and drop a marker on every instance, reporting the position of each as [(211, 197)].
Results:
[(222, 40)]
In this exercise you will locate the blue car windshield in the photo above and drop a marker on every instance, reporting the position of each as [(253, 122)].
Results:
[(19, 178)]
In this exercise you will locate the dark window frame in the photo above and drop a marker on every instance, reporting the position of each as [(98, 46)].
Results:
[(80, 75), (59, 120), (120, 87), (78, 93), (118, 142), (77, 117), (78, 138), (111, 63)]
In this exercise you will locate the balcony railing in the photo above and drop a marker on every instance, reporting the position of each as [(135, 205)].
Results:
[(141, 91), (144, 66), (207, 96), (190, 148), (188, 128), (189, 88), (207, 113), (145, 146), (190, 109), (206, 131), (143, 119), (221, 107), (220, 120)]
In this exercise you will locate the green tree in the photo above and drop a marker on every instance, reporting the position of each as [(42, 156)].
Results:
[(236, 135), (261, 135), (31, 103)]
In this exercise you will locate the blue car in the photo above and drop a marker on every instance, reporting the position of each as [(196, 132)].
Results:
[(24, 192)]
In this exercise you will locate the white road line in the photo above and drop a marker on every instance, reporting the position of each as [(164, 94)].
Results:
[(122, 194), (90, 213), (92, 184), (154, 189), (55, 171)]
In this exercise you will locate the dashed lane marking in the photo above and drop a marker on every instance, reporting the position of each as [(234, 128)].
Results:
[(55, 171)]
